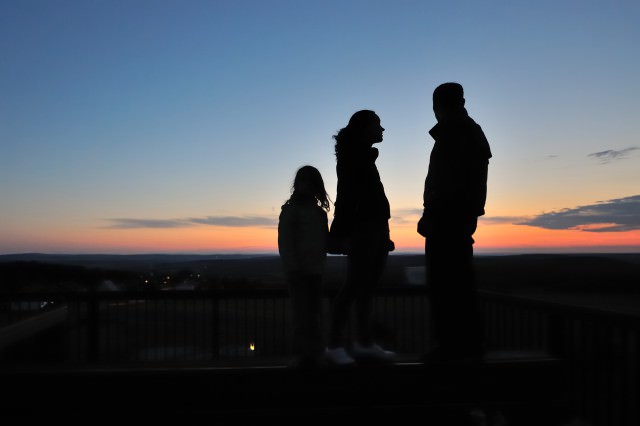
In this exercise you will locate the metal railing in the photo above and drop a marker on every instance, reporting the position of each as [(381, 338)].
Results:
[(197, 325), (600, 348)]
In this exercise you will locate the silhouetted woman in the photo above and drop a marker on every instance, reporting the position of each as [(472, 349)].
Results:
[(361, 222)]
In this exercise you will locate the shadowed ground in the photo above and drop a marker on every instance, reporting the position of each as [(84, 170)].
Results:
[(525, 388)]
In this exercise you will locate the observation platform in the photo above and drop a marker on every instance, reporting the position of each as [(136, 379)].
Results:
[(519, 387)]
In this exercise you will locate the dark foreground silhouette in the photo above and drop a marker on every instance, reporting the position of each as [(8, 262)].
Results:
[(455, 192), (360, 229)]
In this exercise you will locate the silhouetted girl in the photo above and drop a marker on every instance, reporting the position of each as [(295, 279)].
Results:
[(361, 228), (302, 243)]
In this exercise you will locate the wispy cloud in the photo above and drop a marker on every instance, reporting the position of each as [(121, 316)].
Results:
[(405, 216), (618, 215), (229, 221), (128, 223), (498, 220), (610, 155), (235, 221)]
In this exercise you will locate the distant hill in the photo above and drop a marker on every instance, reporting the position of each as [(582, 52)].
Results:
[(592, 272), (49, 276), (118, 260)]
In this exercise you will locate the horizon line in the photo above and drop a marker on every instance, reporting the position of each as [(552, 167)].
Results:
[(479, 252)]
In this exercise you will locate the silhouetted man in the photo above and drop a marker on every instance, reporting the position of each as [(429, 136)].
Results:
[(454, 196)]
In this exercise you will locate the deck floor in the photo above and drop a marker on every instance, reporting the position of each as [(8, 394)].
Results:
[(521, 386)]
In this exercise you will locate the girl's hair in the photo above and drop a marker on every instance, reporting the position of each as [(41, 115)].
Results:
[(308, 182), (350, 135)]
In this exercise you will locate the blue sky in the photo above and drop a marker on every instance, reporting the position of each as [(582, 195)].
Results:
[(119, 116)]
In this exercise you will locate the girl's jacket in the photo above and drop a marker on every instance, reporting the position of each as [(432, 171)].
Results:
[(302, 237)]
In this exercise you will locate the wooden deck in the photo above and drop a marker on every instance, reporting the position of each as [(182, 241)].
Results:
[(526, 389)]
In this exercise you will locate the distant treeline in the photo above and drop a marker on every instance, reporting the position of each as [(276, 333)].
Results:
[(39, 276), (592, 272), (579, 272)]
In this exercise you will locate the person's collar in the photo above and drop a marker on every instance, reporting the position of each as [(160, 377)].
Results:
[(361, 151), (453, 119), (374, 153)]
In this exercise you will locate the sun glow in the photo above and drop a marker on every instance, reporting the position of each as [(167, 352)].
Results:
[(214, 239), (508, 237)]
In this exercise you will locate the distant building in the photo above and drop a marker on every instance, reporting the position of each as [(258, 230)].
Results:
[(185, 285), (108, 285), (415, 275)]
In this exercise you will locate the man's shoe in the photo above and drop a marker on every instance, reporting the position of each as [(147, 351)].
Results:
[(338, 357), (374, 352)]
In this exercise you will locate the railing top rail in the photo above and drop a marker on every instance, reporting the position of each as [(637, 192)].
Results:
[(229, 293), (550, 306)]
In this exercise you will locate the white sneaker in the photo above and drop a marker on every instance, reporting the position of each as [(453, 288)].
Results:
[(338, 356), (374, 351)]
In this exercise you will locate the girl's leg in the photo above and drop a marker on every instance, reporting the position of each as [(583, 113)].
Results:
[(314, 305), (306, 293), (297, 298)]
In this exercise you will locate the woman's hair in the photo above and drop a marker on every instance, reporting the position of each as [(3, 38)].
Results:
[(309, 183), (351, 135)]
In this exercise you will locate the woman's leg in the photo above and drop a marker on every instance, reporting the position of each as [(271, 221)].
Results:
[(341, 308), (365, 265), (367, 272)]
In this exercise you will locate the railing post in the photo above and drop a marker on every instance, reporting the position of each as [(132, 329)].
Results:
[(215, 328), (555, 335), (93, 338)]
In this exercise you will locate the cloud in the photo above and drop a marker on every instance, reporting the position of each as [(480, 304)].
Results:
[(127, 223), (498, 220), (618, 215), (405, 216), (235, 221), (605, 157), (231, 221), (408, 216)]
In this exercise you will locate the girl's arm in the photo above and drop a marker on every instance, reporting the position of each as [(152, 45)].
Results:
[(287, 244)]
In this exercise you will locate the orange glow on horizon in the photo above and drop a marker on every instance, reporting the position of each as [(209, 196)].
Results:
[(210, 239), (172, 240), (195, 239), (521, 236), (510, 237)]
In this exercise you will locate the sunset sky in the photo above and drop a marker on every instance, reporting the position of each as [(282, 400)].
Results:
[(164, 126)]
